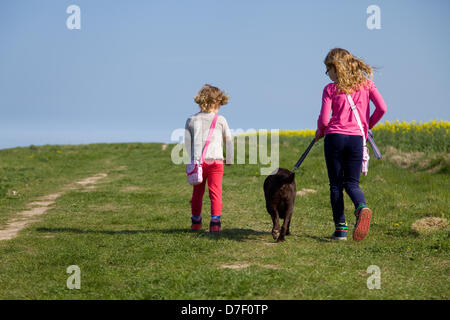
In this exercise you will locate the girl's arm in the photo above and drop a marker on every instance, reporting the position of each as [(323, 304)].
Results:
[(228, 143), (380, 106), (187, 139), (325, 112)]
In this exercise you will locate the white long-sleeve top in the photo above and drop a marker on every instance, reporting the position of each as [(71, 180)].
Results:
[(196, 132)]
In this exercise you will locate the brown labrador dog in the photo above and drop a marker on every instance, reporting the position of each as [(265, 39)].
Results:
[(280, 191)]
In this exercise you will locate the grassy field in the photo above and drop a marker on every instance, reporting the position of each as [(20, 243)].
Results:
[(130, 233)]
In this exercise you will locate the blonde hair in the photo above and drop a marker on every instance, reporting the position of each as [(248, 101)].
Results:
[(351, 71), (209, 96)]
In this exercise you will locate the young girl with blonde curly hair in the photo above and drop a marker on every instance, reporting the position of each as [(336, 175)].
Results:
[(209, 99), (343, 137)]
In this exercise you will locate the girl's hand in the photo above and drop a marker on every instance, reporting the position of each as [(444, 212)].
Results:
[(319, 135)]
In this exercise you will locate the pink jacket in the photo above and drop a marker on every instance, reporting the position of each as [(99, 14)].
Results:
[(343, 120)]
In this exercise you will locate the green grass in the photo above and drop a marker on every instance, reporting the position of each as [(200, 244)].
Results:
[(130, 236)]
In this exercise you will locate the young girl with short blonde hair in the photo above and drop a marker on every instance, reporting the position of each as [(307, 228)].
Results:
[(209, 99)]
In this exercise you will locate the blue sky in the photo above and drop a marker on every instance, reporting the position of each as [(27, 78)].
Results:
[(131, 72)]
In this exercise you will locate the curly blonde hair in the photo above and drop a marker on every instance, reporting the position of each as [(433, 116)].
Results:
[(351, 71), (209, 96)]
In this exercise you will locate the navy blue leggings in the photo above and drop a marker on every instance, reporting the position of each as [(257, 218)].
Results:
[(343, 155)]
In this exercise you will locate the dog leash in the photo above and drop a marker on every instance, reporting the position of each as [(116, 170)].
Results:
[(370, 140), (299, 162)]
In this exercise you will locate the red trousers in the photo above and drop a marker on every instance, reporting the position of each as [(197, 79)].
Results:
[(213, 174)]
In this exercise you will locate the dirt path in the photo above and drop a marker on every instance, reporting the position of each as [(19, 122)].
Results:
[(40, 206)]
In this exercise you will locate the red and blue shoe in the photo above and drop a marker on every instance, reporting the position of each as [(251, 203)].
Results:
[(215, 225), (196, 223), (363, 217)]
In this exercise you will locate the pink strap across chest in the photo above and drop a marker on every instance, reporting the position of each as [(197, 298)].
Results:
[(213, 125)]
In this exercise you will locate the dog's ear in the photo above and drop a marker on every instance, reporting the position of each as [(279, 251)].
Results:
[(290, 178)]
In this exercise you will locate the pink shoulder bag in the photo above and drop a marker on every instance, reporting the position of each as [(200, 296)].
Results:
[(194, 169)]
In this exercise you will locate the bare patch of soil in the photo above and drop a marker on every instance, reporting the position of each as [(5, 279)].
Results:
[(235, 266), (132, 189), (304, 192), (429, 224), (403, 159)]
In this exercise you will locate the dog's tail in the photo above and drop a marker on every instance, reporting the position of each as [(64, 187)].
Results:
[(290, 177)]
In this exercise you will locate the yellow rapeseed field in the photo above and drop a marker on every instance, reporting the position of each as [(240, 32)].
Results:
[(387, 126)]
